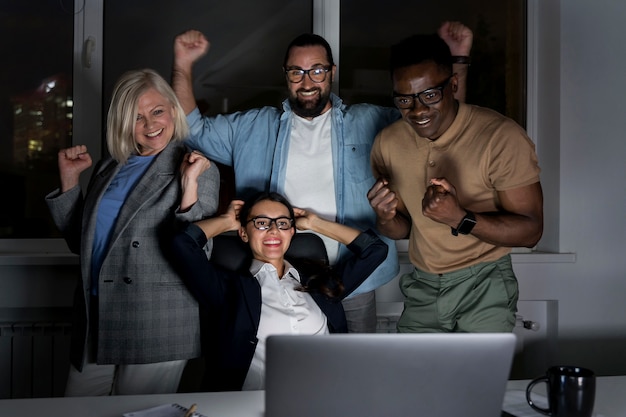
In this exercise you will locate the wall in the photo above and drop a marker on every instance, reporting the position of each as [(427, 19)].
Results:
[(583, 106), (592, 290)]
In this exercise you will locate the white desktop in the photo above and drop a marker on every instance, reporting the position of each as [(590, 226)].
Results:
[(610, 402)]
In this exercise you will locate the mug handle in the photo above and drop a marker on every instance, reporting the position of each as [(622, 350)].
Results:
[(532, 383)]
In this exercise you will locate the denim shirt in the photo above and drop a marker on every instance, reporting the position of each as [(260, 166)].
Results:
[(256, 144)]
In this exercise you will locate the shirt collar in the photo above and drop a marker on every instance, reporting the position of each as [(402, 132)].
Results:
[(257, 266)]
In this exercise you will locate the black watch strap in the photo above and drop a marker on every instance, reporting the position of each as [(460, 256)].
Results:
[(466, 225)]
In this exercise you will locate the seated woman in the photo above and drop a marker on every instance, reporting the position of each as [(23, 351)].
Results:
[(240, 311)]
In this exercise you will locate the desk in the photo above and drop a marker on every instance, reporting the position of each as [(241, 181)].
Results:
[(211, 404), (610, 402)]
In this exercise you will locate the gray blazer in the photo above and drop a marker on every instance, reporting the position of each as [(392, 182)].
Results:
[(145, 312)]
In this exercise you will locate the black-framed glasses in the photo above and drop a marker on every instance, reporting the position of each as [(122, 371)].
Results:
[(316, 74), (427, 97), (264, 223)]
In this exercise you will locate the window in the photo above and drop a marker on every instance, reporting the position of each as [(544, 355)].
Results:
[(242, 69), (36, 107), (497, 74)]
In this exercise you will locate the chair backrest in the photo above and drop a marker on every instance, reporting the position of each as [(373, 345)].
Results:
[(230, 252)]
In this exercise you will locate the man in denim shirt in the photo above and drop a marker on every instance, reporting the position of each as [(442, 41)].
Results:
[(315, 150)]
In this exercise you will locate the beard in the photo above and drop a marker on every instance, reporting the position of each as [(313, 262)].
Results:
[(309, 108)]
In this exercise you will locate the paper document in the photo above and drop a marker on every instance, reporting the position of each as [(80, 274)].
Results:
[(165, 410)]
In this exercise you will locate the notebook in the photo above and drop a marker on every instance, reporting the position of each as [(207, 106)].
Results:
[(374, 375), (164, 410)]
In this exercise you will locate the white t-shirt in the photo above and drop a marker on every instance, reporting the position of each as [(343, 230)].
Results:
[(309, 180)]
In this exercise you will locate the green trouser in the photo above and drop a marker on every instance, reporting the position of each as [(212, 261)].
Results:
[(479, 298)]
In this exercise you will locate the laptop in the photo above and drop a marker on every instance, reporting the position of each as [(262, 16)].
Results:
[(387, 375)]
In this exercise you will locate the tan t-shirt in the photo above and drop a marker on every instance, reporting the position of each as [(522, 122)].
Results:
[(481, 153)]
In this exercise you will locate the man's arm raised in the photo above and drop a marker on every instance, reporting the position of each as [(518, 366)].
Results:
[(459, 39), (189, 47)]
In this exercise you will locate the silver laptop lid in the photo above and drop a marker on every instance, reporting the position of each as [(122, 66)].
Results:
[(374, 375)]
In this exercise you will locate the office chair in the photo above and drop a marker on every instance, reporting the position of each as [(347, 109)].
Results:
[(230, 252)]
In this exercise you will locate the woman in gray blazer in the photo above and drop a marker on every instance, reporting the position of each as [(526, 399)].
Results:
[(136, 324)]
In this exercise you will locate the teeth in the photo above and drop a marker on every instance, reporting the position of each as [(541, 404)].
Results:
[(308, 93), (422, 122), (151, 135)]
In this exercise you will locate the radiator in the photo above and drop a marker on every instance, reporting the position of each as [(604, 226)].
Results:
[(34, 359)]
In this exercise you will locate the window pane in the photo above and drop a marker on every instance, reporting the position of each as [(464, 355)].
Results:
[(498, 71), (243, 68), (36, 110), (248, 39)]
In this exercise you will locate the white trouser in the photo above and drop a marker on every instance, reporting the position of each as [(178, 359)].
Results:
[(151, 378)]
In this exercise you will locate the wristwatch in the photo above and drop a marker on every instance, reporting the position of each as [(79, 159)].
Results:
[(466, 225)]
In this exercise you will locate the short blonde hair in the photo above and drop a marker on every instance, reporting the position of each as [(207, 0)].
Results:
[(123, 111)]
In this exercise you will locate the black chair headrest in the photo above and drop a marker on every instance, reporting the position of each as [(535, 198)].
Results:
[(230, 252)]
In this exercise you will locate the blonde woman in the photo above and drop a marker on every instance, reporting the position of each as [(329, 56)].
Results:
[(136, 324)]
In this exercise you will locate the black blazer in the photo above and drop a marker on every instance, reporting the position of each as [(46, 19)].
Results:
[(230, 302)]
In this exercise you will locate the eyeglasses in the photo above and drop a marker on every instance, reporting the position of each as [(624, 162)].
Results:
[(316, 74), (264, 223), (427, 97)]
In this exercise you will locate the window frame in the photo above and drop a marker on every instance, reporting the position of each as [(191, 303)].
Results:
[(543, 108), (87, 128)]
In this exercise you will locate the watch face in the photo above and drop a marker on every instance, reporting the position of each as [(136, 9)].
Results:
[(467, 224), (466, 227)]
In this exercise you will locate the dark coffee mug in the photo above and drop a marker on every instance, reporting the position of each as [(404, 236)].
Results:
[(571, 392)]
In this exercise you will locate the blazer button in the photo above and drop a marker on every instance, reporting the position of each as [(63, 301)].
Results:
[(135, 244), (128, 280)]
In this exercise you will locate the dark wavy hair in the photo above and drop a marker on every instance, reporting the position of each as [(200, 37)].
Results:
[(263, 196), (321, 277)]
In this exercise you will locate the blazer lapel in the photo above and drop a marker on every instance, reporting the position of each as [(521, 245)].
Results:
[(104, 173), (252, 293), (160, 173)]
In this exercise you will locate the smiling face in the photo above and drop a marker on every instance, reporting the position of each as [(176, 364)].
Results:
[(154, 126), (428, 121), (307, 98), (268, 245)]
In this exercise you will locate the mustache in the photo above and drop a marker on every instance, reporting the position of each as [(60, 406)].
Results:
[(419, 117), (307, 90)]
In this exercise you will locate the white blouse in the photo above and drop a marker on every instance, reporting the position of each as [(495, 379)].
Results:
[(284, 310)]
